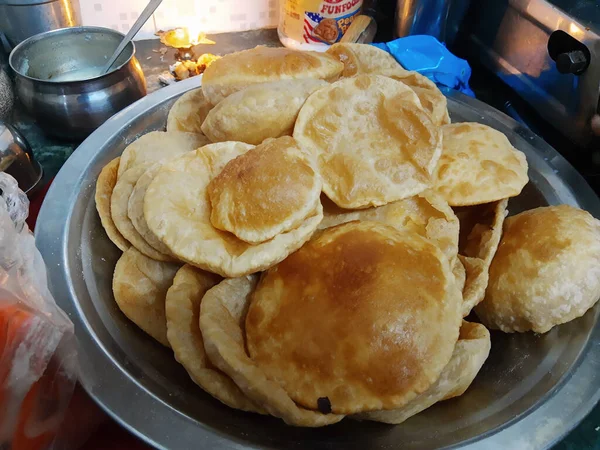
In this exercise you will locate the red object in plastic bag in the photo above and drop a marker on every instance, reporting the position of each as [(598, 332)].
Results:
[(36, 204), (85, 425), (37, 345)]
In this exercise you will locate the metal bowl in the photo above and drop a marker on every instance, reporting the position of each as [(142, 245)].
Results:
[(58, 81), (17, 159), (532, 390)]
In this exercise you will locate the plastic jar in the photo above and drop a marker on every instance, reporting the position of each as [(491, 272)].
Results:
[(315, 24)]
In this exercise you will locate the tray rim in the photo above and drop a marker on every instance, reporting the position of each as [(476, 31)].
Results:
[(52, 236)]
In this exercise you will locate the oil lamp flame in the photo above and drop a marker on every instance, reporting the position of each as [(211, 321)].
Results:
[(184, 37)]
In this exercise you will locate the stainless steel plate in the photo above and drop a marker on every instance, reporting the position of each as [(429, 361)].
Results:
[(531, 391)]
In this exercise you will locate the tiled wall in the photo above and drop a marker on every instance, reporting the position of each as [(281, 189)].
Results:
[(213, 16)]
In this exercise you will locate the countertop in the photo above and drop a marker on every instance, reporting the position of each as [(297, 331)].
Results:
[(52, 154)]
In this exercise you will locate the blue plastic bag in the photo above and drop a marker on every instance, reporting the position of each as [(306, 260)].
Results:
[(428, 56)]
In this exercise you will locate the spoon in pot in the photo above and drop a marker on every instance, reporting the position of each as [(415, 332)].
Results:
[(144, 16)]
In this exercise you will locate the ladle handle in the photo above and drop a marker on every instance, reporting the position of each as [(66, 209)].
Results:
[(139, 23)]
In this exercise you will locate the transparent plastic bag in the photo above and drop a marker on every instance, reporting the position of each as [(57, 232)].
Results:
[(37, 345)]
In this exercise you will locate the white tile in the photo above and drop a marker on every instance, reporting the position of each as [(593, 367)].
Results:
[(214, 16), (217, 16), (116, 14)]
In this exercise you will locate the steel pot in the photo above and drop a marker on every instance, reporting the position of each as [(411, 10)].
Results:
[(17, 159), (20, 19), (58, 81)]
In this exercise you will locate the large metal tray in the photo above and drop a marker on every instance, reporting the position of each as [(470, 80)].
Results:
[(532, 390)]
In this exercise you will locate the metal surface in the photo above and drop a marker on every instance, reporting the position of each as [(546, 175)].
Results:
[(511, 38), (139, 23), (586, 12), (531, 391), (422, 17), (73, 109), (16, 159), (439, 18), (7, 97), (21, 19)]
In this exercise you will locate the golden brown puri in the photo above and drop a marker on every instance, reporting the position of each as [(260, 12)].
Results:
[(478, 165), (374, 142), (366, 59), (159, 146), (104, 188), (140, 286), (426, 214), (363, 59), (222, 314), (135, 208), (182, 309), (238, 70), (411, 79), (460, 273), (546, 271), (470, 352), (363, 317), (435, 103), (177, 210), (267, 191), (476, 223), (188, 112), (432, 99), (480, 232), (119, 205), (260, 111)]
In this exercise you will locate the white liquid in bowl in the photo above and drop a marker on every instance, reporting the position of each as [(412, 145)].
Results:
[(77, 75)]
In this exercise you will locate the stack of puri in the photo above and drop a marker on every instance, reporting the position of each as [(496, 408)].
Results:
[(310, 232)]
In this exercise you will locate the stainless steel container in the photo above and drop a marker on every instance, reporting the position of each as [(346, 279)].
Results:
[(6, 94), (16, 159), (20, 19), (58, 83), (438, 18)]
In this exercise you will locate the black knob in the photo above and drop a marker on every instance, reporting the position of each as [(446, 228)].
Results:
[(574, 62)]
